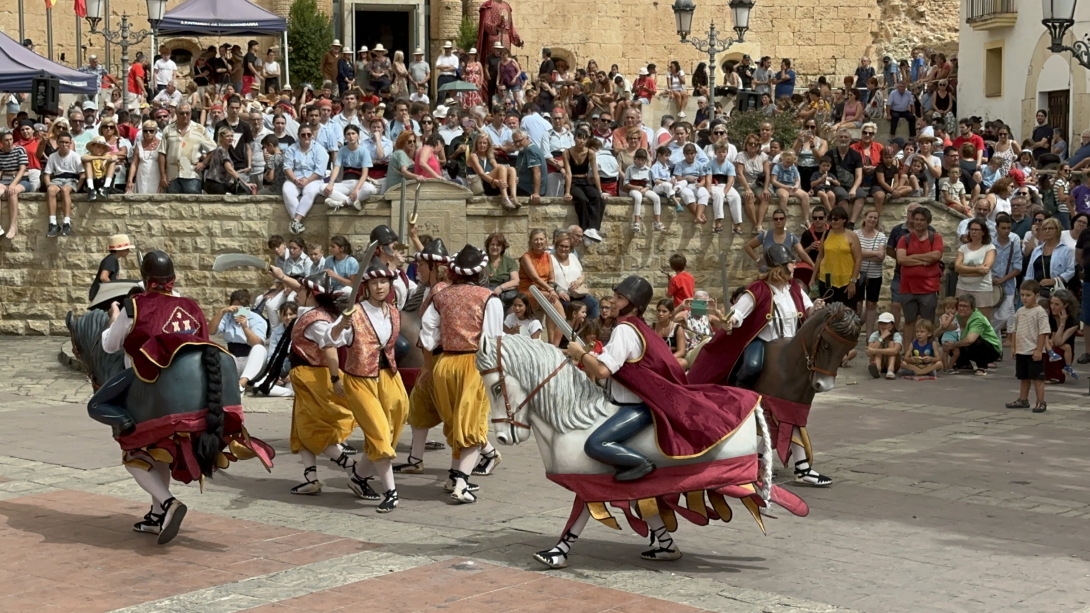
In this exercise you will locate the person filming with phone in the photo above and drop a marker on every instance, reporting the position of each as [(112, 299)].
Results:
[(244, 331)]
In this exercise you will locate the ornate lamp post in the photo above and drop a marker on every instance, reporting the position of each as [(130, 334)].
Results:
[(683, 14), (1058, 16), (124, 37)]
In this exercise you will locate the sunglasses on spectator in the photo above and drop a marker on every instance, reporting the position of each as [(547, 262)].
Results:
[(780, 219), (719, 133), (1038, 219), (869, 133), (304, 135), (427, 122), (819, 218)]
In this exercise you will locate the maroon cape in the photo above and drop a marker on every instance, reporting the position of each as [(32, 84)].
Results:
[(162, 325), (689, 419), (717, 358)]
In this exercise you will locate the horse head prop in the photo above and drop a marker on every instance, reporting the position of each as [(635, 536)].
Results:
[(819, 346), (86, 335)]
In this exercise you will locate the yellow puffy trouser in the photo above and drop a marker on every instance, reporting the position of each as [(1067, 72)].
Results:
[(423, 412), (379, 405), (318, 418), (461, 401)]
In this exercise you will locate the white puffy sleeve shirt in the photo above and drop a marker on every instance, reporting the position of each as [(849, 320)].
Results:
[(429, 323), (624, 345)]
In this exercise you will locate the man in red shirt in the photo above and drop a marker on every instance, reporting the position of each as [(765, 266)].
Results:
[(919, 254), (138, 74), (871, 152), (966, 128)]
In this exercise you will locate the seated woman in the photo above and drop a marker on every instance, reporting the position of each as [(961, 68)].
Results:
[(496, 179), (1063, 319), (670, 331), (884, 348), (348, 181), (854, 112)]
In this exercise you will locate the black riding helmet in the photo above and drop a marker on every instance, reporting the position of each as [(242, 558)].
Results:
[(778, 255), (157, 267), (637, 290), (383, 235)]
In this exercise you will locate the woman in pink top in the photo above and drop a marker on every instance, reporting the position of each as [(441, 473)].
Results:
[(853, 112), (427, 158)]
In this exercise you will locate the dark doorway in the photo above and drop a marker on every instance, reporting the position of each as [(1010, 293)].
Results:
[(1058, 104), (391, 28)]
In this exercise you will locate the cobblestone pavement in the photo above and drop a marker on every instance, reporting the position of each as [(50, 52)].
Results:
[(943, 501)]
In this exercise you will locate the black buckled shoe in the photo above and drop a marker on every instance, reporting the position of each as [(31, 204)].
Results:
[(389, 502), (636, 472), (173, 513), (151, 524), (362, 488)]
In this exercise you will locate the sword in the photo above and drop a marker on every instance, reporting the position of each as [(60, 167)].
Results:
[(557, 319), (723, 276), (229, 261), (365, 262), (416, 202)]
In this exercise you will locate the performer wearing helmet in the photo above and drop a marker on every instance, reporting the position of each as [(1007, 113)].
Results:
[(772, 307), (320, 420), (649, 386), (371, 383), (456, 320), (151, 328), (431, 267), (403, 287)]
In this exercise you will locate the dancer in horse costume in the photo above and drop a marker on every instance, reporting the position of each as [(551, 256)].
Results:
[(647, 443), (772, 308), (368, 377), (169, 408), (456, 320), (320, 420)]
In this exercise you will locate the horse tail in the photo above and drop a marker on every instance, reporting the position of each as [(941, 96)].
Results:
[(210, 442), (764, 455)]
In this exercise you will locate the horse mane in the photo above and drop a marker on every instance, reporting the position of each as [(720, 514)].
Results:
[(86, 332), (842, 321), (569, 401)]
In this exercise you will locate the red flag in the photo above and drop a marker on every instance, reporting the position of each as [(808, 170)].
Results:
[(49, 4), (81, 7)]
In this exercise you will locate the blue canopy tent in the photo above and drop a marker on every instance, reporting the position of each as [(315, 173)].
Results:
[(19, 66), (224, 18)]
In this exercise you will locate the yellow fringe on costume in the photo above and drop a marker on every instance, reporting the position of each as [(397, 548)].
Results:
[(461, 400), (379, 405), (318, 418), (423, 413)]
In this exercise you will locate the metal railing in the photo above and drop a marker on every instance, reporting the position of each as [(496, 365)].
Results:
[(982, 9)]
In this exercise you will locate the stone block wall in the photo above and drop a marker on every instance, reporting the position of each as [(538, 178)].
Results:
[(42, 278)]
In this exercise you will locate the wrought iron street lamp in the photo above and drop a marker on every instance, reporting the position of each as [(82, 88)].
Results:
[(125, 37), (1058, 16), (683, 15)]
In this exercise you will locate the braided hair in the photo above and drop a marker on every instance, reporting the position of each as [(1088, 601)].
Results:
[(208, 446)]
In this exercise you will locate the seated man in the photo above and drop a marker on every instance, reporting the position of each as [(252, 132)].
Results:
[(244, 331)]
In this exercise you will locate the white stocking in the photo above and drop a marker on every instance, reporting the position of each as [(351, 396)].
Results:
[(364, 468), (465, 464), (798, 452), (420, 438), (487, 448), (659, 532), (163, 470), (309, 459), (576, 528), (151, 482), (384, 470)]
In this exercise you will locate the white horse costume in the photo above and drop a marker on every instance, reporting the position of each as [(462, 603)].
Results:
[(533, 386)]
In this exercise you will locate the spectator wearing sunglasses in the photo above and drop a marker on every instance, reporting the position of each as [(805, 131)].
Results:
[(810, 148)]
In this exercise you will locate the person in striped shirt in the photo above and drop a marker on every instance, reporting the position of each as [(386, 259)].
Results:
[(13, 177)]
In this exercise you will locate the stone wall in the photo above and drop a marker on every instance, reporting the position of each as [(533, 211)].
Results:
[(42, 278)]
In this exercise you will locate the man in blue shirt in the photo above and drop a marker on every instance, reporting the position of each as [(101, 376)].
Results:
[(530, 167), (916, 69), (898, 106), (244, 331), (784, 80), (889, 73)]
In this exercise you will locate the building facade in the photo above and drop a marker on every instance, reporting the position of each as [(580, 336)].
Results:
[(1008, 72), (826, 38)]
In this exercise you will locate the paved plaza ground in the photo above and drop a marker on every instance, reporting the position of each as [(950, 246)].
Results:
[(943, 501)]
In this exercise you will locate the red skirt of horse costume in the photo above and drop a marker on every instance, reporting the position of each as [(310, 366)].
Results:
[(720, 355), (170, 439), (689, 420)]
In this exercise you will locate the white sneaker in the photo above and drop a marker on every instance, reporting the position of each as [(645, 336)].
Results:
[(681, 114), (592, 234), (356, 204)]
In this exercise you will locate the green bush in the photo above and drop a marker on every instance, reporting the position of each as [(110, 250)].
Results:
[(467, 35), (310, 33), (741, 125)]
